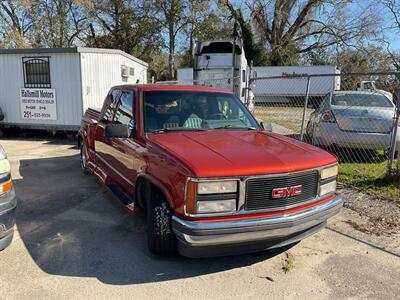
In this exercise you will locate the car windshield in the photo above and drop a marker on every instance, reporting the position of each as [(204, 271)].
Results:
[(193, 111), (362, 100)]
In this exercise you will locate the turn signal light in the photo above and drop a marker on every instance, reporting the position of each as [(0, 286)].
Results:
[(6, 187), (191, 190)]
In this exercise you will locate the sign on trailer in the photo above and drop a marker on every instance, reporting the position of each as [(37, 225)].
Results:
[(38, 104)]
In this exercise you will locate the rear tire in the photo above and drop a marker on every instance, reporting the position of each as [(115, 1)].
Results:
[(84, 168), (160, 237)]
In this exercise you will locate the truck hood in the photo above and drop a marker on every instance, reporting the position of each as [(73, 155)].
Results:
[(240, 153)]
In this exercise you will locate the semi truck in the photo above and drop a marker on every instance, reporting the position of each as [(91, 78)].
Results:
[(220, 64), (223, 64)]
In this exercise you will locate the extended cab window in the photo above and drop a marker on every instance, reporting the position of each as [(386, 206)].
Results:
[(188, 110), (124, 112), (110, 104)]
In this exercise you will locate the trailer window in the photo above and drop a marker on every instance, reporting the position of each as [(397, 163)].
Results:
[(220, 47), (36, 72)]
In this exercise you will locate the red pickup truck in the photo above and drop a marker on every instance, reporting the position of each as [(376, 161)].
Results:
[(211, 180)]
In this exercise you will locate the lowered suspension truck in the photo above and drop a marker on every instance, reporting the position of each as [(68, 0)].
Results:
[(211, 180)]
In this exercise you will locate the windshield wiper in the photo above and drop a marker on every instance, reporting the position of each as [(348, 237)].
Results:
[(171, 129), (235, 127)]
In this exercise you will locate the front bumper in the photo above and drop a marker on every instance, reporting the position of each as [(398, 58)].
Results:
[(8, 204), (202, 239)]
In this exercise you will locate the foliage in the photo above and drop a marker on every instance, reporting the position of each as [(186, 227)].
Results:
[(293, 27), (368, 59), (254, 51), (163, 33), (371, 178)]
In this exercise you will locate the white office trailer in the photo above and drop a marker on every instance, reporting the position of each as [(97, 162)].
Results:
[(282, 83), (50, 88)]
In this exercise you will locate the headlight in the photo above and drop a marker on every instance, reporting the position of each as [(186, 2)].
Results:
[(217, 187), (329, 172), (220, 206), (327, 188), (2, 153), (206, 197)]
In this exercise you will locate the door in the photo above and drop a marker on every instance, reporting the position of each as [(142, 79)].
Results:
[(125, 150), (102, 146)]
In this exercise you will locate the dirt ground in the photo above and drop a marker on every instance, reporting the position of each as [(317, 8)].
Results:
[(74, 241)]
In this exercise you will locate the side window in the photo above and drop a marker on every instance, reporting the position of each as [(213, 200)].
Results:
[(111, 101), (124, 113), (36, 72)]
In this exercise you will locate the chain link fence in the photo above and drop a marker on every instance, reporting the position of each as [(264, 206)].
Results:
[(354, 116)]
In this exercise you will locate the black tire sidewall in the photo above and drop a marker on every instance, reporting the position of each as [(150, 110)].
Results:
[(160, 236)]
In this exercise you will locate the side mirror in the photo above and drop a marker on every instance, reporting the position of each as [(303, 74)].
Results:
[(266, 127), (117, 131)]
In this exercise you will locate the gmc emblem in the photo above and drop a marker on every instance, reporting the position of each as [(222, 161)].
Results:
[(286, 192)]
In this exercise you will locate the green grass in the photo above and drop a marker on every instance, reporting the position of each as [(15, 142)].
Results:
[(371, 178), (361, 169), (289, 117), (288, 263)]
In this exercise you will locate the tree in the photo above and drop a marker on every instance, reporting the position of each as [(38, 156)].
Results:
[(60, 23), (173, 16), (254, 52), (293, 27), (121, 24), (363, 60), (16, 22), (205, 24), (393, 7)]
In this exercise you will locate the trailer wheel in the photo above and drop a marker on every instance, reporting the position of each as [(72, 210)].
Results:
[(84, 168), (160, 237)]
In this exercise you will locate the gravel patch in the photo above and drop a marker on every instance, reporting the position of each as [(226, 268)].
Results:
[(379, 216)]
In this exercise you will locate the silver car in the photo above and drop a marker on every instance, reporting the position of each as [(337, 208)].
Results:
[(353, 119)]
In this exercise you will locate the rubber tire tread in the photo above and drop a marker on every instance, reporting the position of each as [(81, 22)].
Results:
[(159, 243)]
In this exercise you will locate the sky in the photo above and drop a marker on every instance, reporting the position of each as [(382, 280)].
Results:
[(358, 7)]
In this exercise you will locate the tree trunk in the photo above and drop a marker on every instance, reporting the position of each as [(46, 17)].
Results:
[(171, 60)]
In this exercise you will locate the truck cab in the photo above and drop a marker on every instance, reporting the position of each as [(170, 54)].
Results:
[(220, 64), (369, 86)]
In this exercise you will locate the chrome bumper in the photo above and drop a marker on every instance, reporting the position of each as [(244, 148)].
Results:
[(8, 204), (267, 232)]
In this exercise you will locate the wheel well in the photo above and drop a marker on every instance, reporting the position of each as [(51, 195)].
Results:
[(143, 188), (79, 140)]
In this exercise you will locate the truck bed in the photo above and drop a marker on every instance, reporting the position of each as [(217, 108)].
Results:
[(93, 113), (91, 116)]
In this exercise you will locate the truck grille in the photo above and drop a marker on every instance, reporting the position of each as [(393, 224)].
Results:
[(259, 190)]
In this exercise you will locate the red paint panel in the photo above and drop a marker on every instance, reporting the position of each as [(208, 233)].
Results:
[(220, 153)]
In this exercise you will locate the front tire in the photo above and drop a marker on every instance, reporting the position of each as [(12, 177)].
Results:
[(160, 237)]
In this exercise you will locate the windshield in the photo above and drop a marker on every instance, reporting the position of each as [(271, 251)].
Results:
[(362, 100), (193, 111)]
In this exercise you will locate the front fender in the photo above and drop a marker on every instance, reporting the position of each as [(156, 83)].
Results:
[(160, 185)]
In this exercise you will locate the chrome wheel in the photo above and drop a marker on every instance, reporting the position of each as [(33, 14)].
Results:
[(84, 159)]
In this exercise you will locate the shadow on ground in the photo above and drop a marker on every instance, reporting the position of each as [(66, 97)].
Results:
[(73, 226), (56, 137)]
